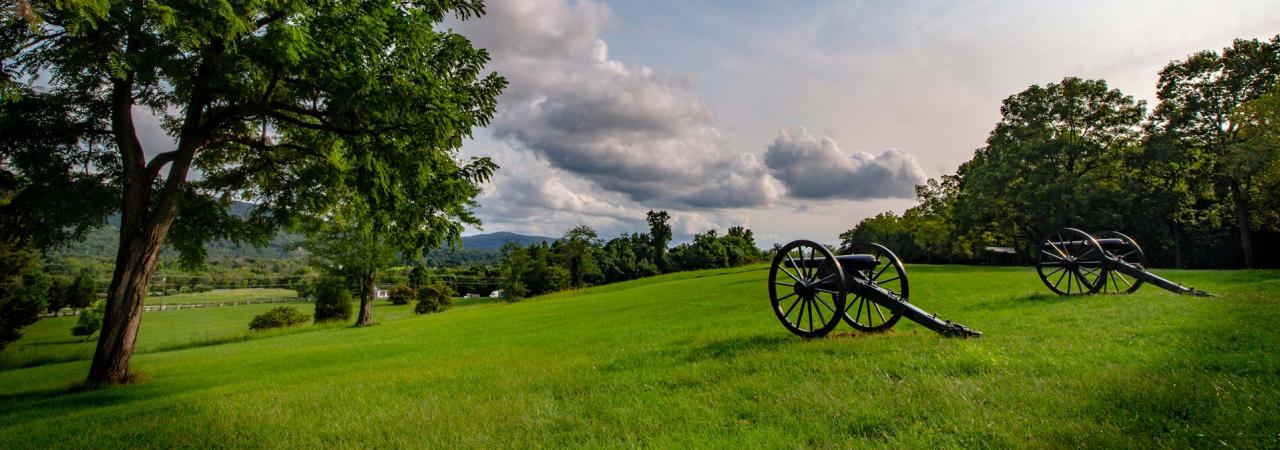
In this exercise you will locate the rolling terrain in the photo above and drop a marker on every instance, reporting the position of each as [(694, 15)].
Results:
[(697, 359)]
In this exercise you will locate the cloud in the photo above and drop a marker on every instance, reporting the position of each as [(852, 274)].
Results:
[(815, 168), (625, 129)]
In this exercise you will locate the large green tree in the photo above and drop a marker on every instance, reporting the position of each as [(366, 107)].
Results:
[(1197, 100), (291, 105), (1053, 160), (659, 235)]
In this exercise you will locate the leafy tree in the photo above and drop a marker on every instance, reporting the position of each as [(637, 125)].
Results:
[(274, 102), (576, 253), (20, 303), (1255, 160), (433, 298), (82, 291), (417, 277), (333, 300), (1197, 102), (515, 263), (660, 235), (1053, 160), (89, 321), (402, 294)]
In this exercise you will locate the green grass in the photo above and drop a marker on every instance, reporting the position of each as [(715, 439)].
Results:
[(224, 295), (698, 360)]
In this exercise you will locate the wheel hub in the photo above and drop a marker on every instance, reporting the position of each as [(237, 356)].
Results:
[(804, 289)]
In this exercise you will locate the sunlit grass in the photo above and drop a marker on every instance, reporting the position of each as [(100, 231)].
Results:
[(697, 359)]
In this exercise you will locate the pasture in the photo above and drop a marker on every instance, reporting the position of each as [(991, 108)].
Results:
[(691, 359)]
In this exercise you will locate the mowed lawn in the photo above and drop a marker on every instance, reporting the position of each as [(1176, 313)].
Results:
[(698, 360), (224, 295)]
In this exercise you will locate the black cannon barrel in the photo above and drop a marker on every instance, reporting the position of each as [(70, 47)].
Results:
[(1141, 273), (893, 302)]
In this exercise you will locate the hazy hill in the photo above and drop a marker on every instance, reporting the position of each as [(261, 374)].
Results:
[(494, 241)]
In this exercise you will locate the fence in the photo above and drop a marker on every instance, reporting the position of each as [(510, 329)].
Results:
[(181, 306)]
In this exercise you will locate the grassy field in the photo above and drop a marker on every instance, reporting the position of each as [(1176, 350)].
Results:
[(697, 359), (224, 295)]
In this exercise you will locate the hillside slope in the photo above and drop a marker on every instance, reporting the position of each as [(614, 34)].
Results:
[(697, 359)]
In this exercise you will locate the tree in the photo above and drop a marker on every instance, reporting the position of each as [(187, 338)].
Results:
[(515, 263), (433, 298), (1053, 160), (402, 294), (1255, 160), (89, 321), (575, 252), (1197, 101), (274, 102), (417, 277), (350, 249), (660, 235), (333, 300), (82, 290), (20, 302)]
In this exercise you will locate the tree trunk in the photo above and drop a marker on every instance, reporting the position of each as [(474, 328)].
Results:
[(135, 263), (366, 299), (1242, 220)]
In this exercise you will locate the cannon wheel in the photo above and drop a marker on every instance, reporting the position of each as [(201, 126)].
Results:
[(1070, 269), (807, 288), (1116, 282), (865, 315)]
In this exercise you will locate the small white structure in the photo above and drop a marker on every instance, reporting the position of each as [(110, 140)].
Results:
[(473, 296), (496, 294), (381, 293)]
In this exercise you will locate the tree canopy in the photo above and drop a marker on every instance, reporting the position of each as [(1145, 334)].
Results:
[(293, 106)]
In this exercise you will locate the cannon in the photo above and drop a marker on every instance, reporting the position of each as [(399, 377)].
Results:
[(809, 286), (1072, 262)]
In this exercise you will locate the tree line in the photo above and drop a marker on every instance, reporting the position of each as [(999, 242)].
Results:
[(580, 258), (1195, 179)]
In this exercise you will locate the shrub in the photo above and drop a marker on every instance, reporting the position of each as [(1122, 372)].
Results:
[(333, 301), (284, 316), (401, 295), (90, 320), (168, 292), (433, 298)]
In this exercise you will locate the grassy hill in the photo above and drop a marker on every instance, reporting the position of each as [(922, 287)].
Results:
[(697, 359)]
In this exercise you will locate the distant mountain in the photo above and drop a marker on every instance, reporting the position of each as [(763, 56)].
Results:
[(494, 241)]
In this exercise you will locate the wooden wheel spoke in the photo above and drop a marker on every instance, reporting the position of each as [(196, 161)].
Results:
[(1051, 255), (792, 307), (788, 272)]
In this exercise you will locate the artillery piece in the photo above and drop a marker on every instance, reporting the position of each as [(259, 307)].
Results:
[(814, 280), (1110, 262)]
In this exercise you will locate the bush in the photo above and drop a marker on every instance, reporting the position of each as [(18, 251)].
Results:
[(401, 295), (284, 316), (433, 298), (168, 292), (90, 320), (333, 301)]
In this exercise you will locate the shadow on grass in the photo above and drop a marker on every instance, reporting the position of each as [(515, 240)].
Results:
[(1021, 301), (677, 355)]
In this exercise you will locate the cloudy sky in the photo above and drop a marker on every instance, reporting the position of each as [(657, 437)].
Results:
[(795, 119)]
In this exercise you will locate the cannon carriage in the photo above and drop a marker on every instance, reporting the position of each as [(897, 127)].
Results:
[(1073, 262), (813, 290)]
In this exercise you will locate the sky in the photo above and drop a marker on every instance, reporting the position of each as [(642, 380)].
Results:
[(795, 119)]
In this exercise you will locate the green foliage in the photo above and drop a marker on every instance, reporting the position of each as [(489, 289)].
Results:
[(333, 300), (659, 236), (402, 294), (281, 317), (22, 297), (433, 298), (89, 320)]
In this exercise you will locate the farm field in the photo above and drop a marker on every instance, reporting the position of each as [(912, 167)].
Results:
[(692, 359), (223, 295)]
